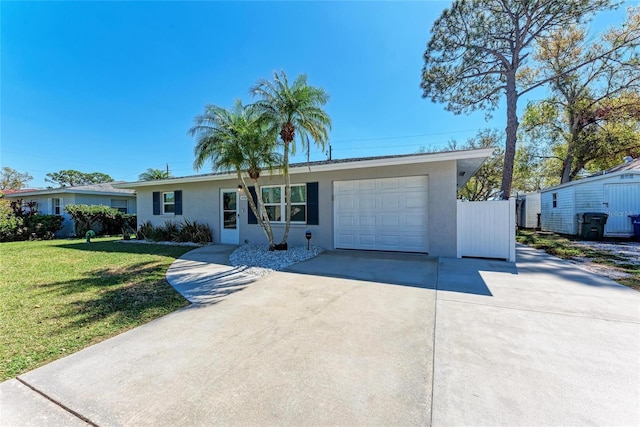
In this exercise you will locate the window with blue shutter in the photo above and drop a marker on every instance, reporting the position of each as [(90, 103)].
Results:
[(156, 203)]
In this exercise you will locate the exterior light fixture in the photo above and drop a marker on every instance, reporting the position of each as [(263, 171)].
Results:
[(307, 234)]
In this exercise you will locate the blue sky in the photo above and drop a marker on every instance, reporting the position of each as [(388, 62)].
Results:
[(113, 86)]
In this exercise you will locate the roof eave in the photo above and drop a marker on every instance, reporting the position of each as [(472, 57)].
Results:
[(481, 155)]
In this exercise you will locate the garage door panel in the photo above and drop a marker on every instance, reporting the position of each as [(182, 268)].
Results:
[(367, 221), (390, 202), (345, 221), (385, 214), (393, 221), (366, 202), (415, 202), (390, 184), (366, 184), (415, 182)]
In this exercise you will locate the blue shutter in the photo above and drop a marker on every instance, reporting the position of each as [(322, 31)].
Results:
[(156, 203), (178, 200), (312, 204), (251, 217)]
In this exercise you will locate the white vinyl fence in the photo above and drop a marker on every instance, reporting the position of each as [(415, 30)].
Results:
[(487, 229)]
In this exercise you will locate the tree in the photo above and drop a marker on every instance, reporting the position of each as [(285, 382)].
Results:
[(485, 183), (532, 169), (288, 109), (478, 47), (237, 140), (154, 174), (592, 114), (72, 178), (11, 179)]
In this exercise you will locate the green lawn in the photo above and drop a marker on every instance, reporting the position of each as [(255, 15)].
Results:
[(59, 296), (563, 247)]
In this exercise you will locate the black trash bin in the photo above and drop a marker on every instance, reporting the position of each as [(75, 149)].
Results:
[(593, 225), (635, 220)]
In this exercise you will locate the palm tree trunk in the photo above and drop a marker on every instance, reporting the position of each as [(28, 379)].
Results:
[(265, 225), (287, 194), (261, 215)]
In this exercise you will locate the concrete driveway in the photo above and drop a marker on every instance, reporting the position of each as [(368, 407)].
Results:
[(352, 338)]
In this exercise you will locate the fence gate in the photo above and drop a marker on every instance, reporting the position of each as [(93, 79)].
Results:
[(487, 229)]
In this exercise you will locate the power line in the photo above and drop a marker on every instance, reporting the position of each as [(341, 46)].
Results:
[(402, 137)]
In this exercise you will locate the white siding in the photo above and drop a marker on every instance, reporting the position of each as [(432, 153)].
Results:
[(588, 197), (621, 200), (562, 218), (617, 195)]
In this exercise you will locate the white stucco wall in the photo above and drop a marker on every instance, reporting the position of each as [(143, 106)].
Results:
[(201, 202)]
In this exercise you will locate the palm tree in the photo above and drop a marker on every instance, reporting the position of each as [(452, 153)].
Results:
[(237, 140), (154, 174), (290, 108)]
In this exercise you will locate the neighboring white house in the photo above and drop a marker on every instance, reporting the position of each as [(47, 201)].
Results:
[(615, 192), (388, 203), (53, 201), (528, 210)]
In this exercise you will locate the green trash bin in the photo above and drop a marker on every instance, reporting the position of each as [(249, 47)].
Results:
[(593, 225)]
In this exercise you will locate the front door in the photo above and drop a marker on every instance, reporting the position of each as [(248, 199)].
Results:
[(229, 231)]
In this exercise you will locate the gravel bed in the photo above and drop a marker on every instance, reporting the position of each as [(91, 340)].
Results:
[(260, 261), (629, 251)]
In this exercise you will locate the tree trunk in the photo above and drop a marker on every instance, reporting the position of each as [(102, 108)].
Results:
[(287, 194), (265, 225), (511, 136), (567, 164)]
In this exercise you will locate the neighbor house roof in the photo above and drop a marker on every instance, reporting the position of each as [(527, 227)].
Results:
[(631, 164), (105, 189), (467, 162), (626, 167)]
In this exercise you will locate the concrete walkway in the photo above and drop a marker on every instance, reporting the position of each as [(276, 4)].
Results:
[(351, 338)]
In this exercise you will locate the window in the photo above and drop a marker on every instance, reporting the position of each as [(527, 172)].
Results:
[(119, 204), (167, 203), (275, 205), (29, 206), (55, 206), (554, 198)]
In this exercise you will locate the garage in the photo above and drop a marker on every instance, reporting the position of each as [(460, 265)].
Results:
[(384, 214)]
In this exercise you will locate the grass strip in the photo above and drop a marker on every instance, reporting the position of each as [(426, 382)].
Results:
[(565, 247), (59, 296)]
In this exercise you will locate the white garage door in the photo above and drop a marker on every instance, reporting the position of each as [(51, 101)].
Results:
[(387, 214)]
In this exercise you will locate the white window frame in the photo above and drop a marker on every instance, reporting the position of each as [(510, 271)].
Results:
[(554, 200), (54, 206), (164, 203), (283, 205)]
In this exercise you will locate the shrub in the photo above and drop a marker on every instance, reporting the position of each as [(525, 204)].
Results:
[(10, 224), (101, 219), (18, 224), (194, 232), (43, 226), (145, 232), (172, 231)]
